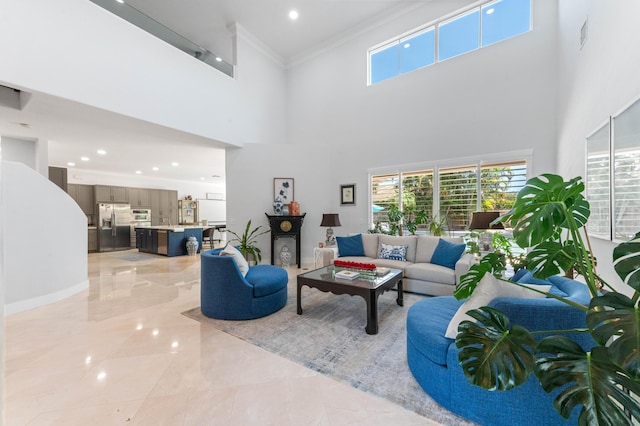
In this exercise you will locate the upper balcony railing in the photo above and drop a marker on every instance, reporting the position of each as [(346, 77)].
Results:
[(153, 27)]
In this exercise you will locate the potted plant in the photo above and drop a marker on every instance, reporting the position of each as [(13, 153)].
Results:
[(548, 218), (247, 242)]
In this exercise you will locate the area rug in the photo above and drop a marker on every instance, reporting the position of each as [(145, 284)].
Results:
[(135, 257), (329, 337)]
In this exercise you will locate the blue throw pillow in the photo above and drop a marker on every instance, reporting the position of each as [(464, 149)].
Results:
[(528, 278), (350, 246), (387, 251), (447, 254)]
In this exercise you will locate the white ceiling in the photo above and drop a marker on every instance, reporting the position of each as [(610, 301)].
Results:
[(76, 130)]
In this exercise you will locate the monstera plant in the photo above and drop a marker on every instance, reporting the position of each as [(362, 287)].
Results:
[(548, 219)]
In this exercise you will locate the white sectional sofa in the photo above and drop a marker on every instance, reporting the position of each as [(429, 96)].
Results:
[(420, 275)]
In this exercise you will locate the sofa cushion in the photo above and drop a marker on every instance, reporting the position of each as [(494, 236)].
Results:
[(528, 278), (447, 253), (233, 252), (489, 288), (370, 245), (394, 240), (350, 246), (267, 279), (393, 252), (427, 321), (430, 272)]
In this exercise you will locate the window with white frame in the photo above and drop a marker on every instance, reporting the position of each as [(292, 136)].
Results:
[(465, 31), (613, 176), (450, 194)]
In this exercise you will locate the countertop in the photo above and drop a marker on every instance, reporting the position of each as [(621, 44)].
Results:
[(173, 228)]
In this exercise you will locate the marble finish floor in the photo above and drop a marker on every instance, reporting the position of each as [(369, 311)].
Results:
[(122, 353)]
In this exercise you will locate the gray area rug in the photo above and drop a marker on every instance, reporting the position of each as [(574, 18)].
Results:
[(135, 257), (329, 338)]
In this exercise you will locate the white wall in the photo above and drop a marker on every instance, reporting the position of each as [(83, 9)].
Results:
[(44, 242), (250, 173), (19, 150), (76, 50), (594, 82), (500, 98)]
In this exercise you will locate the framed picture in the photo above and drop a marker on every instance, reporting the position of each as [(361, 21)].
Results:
[(283, 190), (348, 194)]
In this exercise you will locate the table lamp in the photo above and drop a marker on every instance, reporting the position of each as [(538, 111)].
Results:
[(330, 219)]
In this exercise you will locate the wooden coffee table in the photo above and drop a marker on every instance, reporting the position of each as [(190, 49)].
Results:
[(369, 290)]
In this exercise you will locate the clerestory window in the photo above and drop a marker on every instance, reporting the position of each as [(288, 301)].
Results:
[(463, 32)]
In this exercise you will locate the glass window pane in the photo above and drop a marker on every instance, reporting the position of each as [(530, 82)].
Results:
[(384, 63), (458, 196), (384, 194), (500, 184), (417, 51), (459, 35), (417, 197), (626, 175), (503, 19), (598, 183)]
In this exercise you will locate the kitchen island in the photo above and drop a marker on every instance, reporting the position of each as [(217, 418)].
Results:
[(166, 240)]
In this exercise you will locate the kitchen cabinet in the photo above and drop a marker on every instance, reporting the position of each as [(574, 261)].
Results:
[(83, 195), (115, 194), (166, 241), (164, 207), (140, 197), (58, 175), (92, 239)]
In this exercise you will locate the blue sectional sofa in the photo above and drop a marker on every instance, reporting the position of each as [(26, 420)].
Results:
[(226, 294), (433, 358)]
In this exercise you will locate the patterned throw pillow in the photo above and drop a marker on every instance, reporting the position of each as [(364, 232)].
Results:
[(388, 251)]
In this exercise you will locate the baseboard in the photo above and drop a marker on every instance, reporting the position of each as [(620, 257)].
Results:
[(36, 302)]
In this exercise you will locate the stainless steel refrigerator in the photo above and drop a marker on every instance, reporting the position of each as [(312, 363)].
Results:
[(114, 221)]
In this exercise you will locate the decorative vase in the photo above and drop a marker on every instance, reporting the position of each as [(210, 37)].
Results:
[(294, 208), (192, 246), (277, 206), (285, 256), (285, 210)]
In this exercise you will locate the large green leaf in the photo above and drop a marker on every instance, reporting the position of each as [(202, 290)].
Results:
[(626, 262), (490, 263), (587, 379), (615, 315), (545, 204), (493, 355), (551, 258)]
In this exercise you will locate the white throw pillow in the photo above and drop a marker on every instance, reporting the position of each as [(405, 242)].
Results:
[(230, 250), (489, 288)]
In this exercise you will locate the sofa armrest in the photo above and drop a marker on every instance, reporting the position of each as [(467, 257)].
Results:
[(463, 264)]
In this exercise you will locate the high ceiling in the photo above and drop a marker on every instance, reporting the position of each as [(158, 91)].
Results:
[(76, 130)]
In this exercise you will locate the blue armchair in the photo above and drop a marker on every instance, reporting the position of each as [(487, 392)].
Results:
[(433, 358), (226, 294)]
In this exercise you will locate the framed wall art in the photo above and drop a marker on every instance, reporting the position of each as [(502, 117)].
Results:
[(348, 194), (283, 190)]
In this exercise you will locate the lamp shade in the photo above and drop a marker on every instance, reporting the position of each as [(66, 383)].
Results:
[(330, 219), (482, 220)]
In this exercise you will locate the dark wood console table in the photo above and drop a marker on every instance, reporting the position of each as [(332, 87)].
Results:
[(285, 227)]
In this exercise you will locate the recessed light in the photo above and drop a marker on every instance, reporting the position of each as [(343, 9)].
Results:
[(120, 1), (138, 172), (101, 152), (490, 11), (219, 59), (201, 178), (174, 164), (71, 163), (84, 158), (407, 45), (155, 169), (293, 15)]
